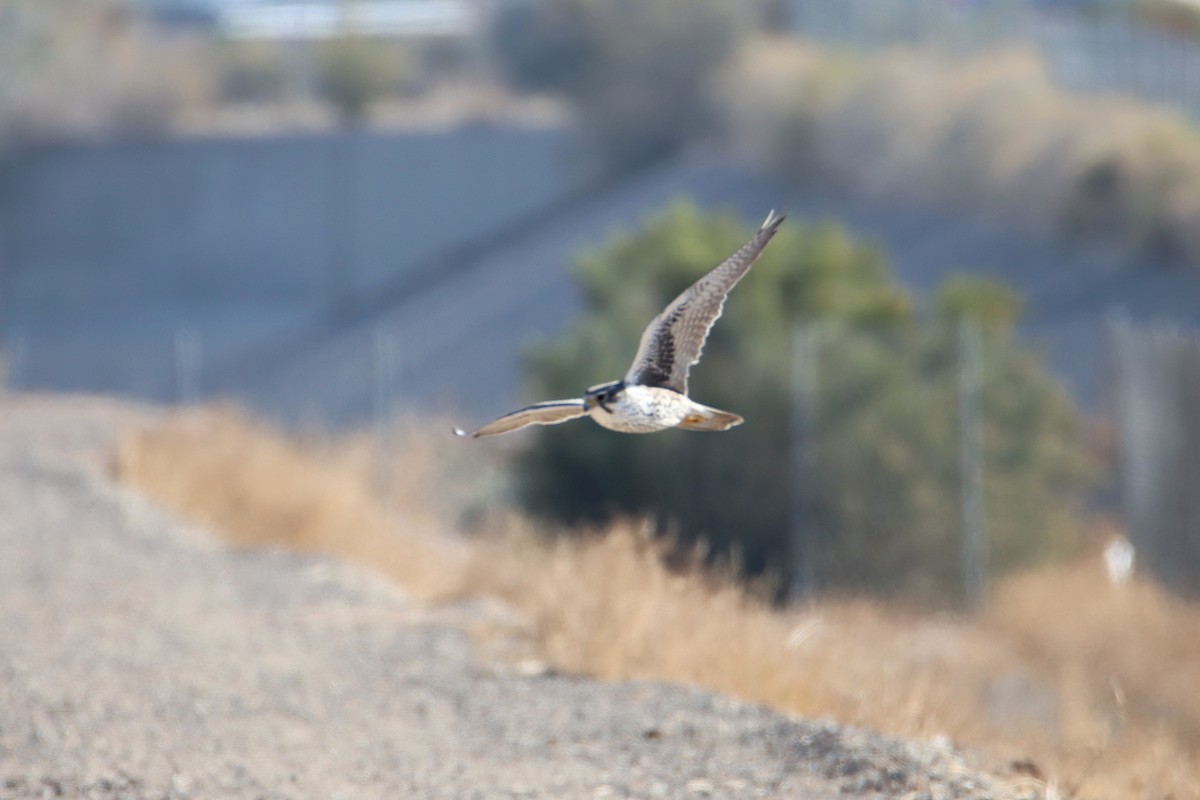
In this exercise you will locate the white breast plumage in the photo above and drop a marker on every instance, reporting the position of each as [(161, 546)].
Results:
[(643, 409)]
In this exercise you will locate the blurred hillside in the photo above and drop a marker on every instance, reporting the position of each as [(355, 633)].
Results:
[(458, 280), (262, 268)]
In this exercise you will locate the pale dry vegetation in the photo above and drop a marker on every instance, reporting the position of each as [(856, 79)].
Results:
[(1070, 680), (992, 134), (260, 489), (80, 70)]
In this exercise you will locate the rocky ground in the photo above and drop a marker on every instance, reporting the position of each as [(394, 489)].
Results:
[(141, 659)]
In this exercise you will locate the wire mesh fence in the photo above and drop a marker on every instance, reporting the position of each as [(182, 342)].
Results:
[(1156, 395), (923, 459), (922, 462)]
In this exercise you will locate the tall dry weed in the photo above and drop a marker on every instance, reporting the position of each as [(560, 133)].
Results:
[(610, 604), (1125, 661), (1074, 702), (1138, 645), (258, 488)]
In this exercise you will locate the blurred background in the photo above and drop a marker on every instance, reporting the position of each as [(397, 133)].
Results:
[(330, 212), (970, 352)]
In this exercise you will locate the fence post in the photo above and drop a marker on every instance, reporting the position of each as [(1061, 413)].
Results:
[(383, 376), (805, 394), (188, 361), (13, 376), (341, 215), (974, 552), (1156, 377)]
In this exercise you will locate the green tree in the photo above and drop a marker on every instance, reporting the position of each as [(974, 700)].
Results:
[(887, 511), (996, 307)]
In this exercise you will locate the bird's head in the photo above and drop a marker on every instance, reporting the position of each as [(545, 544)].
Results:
[(602, 395)]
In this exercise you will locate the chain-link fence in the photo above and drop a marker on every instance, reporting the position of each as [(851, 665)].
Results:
[(922, 460), (1156, 395), (933, 455)]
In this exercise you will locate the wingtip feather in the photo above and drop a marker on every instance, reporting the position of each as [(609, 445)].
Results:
[(774, 220)]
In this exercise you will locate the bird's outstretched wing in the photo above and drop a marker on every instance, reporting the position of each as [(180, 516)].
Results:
[(672, 341), (551, 412)]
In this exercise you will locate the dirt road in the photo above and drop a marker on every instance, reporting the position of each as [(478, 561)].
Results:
[(141, 659)]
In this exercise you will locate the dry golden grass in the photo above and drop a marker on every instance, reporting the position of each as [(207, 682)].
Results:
[(258, 488), (605, 604), (1086, 685), (1127, 663)]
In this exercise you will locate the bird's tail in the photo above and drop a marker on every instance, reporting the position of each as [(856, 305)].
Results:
[(703, 418)]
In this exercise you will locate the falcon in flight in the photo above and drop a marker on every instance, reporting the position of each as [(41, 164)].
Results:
[(653, 394)]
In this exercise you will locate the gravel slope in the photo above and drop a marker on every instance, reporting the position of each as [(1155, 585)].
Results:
[(140, 659)]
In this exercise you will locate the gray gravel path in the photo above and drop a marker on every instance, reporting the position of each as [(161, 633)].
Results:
[(140, 659)]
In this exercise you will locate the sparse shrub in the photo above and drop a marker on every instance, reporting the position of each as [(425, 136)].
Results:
[(887, 505), (635, 70), (250, 72), (544, 46), (991, 133), (356, 71)]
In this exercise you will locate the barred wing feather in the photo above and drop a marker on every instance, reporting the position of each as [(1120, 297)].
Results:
[(673, 340), (551, 412)]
